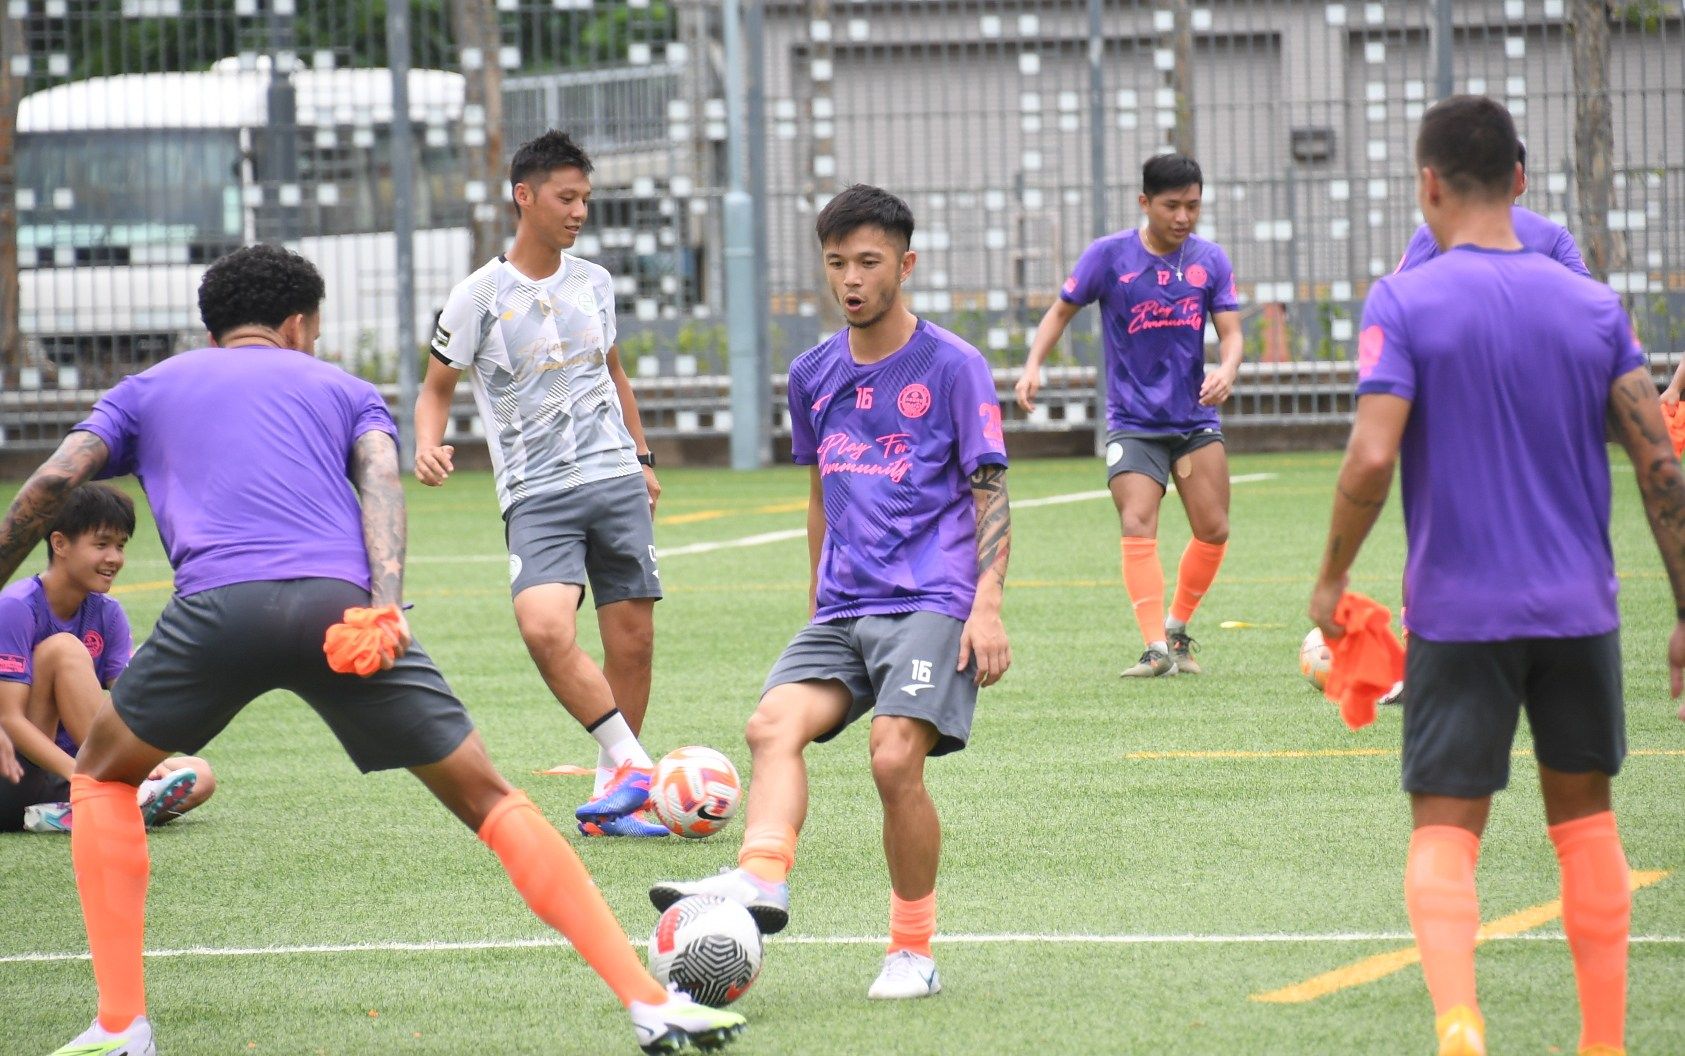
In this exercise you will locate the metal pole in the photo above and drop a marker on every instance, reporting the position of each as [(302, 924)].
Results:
[(748, 410), (403, 214), (1097, 177), (755, 27), (1444, 83)]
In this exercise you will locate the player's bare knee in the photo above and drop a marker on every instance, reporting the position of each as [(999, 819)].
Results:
[(1216, 533), (631, 645), (549, 634), (1138, 524), (61, 651)]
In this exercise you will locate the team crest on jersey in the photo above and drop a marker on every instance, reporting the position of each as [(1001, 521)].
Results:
[(1197, 275), (95, 643), (914, 400)]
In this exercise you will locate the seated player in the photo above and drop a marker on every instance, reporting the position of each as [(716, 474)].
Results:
[(63, 641)]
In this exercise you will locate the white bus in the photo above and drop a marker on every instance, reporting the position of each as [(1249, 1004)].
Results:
[(129, 186)]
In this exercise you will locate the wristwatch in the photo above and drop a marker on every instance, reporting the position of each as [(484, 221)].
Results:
[(647, 459)]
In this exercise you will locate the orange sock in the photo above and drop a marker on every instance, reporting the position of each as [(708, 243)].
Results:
[(1596, 914), (1444, 911), (108, 850), (1143, 579), (556, 886), (911, 923), (1200, 562), (769, 851)]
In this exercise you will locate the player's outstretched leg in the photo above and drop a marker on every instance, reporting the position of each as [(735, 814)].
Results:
[(557, 888), (1203, 485), (912, 845)]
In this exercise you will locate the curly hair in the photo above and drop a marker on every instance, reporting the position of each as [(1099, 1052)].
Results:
[(258, 284), (90, 508)]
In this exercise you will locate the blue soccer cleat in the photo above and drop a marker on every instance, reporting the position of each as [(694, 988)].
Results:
[(627, 792), (628, 825)]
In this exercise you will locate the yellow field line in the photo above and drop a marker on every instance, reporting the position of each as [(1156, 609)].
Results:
[(1337, 753), (1381, 965), (714, 515), (136, 588)]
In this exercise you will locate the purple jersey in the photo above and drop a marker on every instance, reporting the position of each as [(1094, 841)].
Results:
[(243, 453), (26, 620), (896, 442), (1539, 234), (1154, 326), (1507, 358)]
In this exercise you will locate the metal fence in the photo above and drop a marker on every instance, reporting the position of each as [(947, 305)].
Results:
[(150, 136)]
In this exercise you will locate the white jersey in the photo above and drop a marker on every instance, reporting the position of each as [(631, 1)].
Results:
[(538, 352)]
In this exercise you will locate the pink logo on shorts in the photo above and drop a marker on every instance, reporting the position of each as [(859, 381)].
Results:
[(1197, 275), (95, 643), (1163, 277), (11, 665), (914, 400), (1369, 345)]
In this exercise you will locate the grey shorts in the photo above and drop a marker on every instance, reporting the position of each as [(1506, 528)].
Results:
[(212, 653), (600, 533), (37, 786), (1463, 700), (895, 665), (1153, 455)]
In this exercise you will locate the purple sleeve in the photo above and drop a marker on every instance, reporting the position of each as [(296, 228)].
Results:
[(372, 414), (1222, 296), (113, 421), (17, 648), (976, 416), (1087, 280), (1384, 363), (1567, 253), (119, 644), (804, 446), (1422, 248), (1629, 354)]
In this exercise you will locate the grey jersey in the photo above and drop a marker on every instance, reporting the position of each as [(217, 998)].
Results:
[(538, 353)]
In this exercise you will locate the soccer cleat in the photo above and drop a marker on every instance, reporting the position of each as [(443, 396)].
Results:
[(47, 817), (678, 1023), (160, 799), (906, 974), (1182, 649), (768, 903), (133, 1040), (630, 825), (1461, 1032), (1154, 663), (627, 792), (1395, 695)]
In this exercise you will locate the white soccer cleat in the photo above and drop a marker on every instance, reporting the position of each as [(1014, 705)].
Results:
[(678, 1023), (47, 817), (768, 903), (906, 974), (160, 799), (133, 1040)]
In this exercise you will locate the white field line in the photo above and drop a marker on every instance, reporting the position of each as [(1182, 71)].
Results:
[(788, 534), (1270, 938)]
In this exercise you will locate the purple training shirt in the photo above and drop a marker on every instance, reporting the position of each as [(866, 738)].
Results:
[(1507, 358), (1538, 233), (243, 453), (1154, 325), (896, 442), (26, 620)]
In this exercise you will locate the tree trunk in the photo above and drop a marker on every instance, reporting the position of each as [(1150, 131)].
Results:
[(11, 93), (475, 24), (1594, 177), (1181, 77)]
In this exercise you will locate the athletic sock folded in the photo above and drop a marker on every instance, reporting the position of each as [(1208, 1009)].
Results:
[(367, 639), (1367, 659)]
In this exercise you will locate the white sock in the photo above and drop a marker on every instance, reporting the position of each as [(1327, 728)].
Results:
[(618, 740), (1160, 646), (605, 771), (1175, 626)]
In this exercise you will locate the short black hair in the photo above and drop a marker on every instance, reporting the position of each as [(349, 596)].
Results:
[(1521, 152), (1170, 172), (258, 284), (545, 154), (1470, 142), (864, 206), (90, 508)]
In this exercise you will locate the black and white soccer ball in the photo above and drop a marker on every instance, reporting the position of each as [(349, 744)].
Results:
[(708, 946)]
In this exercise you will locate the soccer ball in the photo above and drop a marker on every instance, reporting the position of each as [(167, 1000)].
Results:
[(695, 791), (707, 946), (1315, 659)]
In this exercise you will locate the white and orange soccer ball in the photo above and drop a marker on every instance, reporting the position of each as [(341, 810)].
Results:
[(1315, 659), (695, 791)]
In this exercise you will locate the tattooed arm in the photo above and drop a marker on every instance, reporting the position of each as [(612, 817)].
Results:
[(984, 637), (1361, 491), (374, 473), (1635, 417), (78, 458)]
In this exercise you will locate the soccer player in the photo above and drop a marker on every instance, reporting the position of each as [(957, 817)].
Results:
[(1157, 287), (63, 642), (575, 479), (908, 536), (1493, 370), (1538, 233), (274, 480)]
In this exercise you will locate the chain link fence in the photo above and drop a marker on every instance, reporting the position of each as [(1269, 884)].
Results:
[(140, 139)]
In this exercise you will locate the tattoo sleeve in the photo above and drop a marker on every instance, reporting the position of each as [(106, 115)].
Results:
[(994, 525), (1635, 417), (78, 458), (374, 473)]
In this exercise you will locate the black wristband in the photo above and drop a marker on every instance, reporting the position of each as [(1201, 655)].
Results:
[(1680, 611), (648, 459)]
